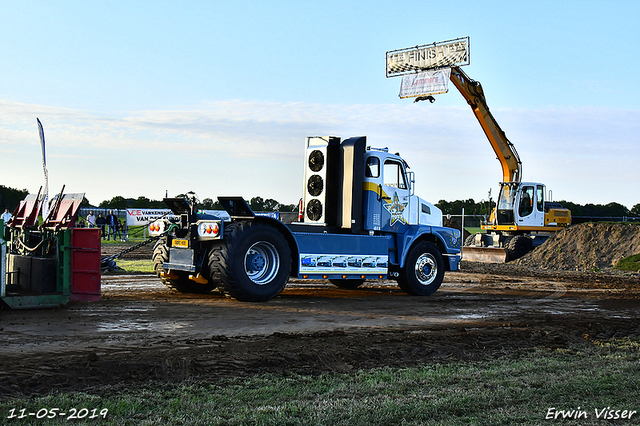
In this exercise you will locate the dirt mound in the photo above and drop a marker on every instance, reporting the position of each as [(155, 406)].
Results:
[(586, 247)]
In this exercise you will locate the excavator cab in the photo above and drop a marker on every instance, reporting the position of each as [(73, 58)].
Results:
[(520, 203), (505, 210)]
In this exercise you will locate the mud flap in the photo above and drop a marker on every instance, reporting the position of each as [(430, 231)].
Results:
[(484, 254)]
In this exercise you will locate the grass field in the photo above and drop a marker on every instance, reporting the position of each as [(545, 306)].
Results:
[(136, 266), (521, 391), (473, 230), (631, 263)]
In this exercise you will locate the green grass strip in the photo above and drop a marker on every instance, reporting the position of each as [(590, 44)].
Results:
[(497, 392), (631, 263)]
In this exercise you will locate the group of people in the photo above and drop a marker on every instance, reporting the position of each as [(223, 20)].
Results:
[(110, 226)]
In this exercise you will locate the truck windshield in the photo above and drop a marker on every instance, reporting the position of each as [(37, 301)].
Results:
[(394, 175), (507, 197)]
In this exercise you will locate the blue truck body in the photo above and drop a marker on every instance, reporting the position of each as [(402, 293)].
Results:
[(359, 220)]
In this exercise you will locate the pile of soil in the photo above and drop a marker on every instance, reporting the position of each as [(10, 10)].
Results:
[(585, 247)]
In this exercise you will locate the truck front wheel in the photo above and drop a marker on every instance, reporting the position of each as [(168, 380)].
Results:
[(254, 261), (423, 270)]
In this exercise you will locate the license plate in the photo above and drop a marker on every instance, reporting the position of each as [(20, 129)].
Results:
[(179, 243)]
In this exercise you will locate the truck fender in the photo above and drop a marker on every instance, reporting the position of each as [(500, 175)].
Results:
[(288, 236), (445, 239)]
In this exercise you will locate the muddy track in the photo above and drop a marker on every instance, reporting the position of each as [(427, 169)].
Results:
[(141, 331)]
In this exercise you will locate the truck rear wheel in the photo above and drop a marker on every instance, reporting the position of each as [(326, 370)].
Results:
[(348, 284), (253, 261), (182, 283), (423, 270)]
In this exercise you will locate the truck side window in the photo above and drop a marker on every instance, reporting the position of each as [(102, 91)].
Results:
[(540, 197), (394, 175), (373, 167)]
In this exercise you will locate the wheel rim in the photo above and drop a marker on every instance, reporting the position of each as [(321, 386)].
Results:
[(426, 269), (261, 262)]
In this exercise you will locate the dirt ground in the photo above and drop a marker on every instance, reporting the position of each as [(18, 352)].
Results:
[(141, 331), (586, 247)]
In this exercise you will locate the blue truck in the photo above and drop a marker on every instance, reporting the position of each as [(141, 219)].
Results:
[(359, 220)]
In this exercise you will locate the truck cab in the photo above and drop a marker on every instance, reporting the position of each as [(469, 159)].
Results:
[(389, 200)]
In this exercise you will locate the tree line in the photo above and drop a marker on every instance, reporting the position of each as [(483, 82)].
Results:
[(11, 197), (588, 210), (258, 204)]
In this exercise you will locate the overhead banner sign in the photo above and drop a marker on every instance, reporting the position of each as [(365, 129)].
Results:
[(428, 57), (425, 83), (138, 217)]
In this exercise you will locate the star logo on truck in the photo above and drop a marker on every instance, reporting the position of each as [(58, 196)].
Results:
[(396, 210)]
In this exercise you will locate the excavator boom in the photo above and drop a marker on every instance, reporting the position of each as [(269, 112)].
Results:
[(472, 91)]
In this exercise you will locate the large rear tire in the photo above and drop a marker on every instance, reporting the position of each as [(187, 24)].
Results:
[(423, 270), (253, 261), (182, 283)]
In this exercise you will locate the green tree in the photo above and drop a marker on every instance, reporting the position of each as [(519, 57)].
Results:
[(470, 207), (576, 209), (616, 209), (209, 204), (635, 210), (10, 197), (257, 204), (288, 208), (141, 202), (117, 202), (271, 205)]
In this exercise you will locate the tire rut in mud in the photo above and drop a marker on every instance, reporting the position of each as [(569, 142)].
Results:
[(221, 357)]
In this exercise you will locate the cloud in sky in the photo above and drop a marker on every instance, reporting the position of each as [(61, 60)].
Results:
[(255, 148)]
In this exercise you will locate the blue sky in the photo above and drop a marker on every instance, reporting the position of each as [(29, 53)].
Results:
[(143, 97)]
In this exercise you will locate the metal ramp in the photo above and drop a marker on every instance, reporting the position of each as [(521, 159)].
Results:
[(50, 264), (27, 212)]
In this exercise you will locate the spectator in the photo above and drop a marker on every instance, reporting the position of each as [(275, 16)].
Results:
[(101, 222), (6, 216), (117, 233), (125, 230), (111, 223), (91, 219)]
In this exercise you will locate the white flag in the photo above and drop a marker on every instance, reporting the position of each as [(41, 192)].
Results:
[(45, 204)]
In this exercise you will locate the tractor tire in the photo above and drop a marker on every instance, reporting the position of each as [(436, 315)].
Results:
[(253, 262), (347, 284), (518, 246), (182, 284), (470, 241), (423, 270)]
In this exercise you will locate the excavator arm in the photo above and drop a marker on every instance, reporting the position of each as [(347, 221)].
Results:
[(472, 91)]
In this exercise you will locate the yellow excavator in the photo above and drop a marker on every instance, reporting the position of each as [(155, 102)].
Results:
[(523, 217)]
